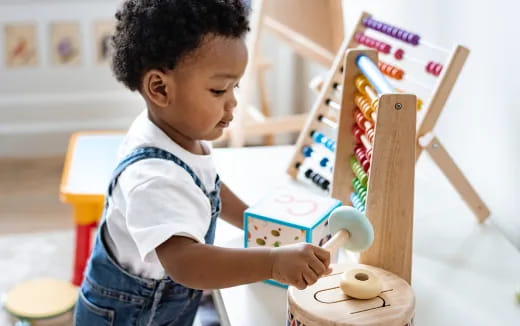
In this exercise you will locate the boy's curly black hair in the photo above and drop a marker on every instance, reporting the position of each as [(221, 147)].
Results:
[(156, 34)]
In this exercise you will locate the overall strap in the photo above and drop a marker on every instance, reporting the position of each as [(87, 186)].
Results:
[(142, 153)]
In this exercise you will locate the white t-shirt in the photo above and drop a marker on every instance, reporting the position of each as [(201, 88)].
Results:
[(156, 199)]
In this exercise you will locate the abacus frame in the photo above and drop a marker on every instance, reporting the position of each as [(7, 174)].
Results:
[(392, 164), (426, 138)]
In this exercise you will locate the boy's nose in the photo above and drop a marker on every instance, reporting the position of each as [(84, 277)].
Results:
[(231, 103)]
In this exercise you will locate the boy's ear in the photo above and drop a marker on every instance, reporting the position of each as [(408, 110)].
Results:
[(158, 87)]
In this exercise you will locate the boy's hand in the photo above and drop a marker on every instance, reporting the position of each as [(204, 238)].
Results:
[(299, 264)]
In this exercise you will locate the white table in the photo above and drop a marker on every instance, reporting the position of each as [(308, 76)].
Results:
[(463, 273)]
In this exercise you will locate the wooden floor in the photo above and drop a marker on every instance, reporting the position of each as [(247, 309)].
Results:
[(29, 196)]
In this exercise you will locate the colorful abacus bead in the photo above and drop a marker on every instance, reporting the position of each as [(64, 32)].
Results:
[(391, 71), (358, 171), (320, 138), (317, 179), (362, 158), (392, 31), (307, 151), (364, 125), (371, 134), (369, 154), (357, 203), (419, 104), (364, 87), (324, 162), (399, 54), (361, 83), (365, 107), (373, 43), (360, 137), (360, 120), (357, 133), (434, 68), (360, 190)]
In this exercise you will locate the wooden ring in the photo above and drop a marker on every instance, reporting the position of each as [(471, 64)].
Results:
[(360, 284)]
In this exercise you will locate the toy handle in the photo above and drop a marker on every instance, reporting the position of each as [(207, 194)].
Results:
[(337, 241)]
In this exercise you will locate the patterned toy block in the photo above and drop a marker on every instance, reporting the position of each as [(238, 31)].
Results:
[(288, 216)]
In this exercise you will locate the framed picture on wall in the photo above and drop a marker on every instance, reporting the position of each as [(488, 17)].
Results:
[(103, 31), (21, 48), (65, 43)]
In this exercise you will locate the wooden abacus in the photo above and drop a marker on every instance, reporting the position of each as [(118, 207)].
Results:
[(445, 74), (390, 156), (318, 42), (389, 201)]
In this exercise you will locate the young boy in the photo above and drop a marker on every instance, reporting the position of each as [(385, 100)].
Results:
[(154, 251)]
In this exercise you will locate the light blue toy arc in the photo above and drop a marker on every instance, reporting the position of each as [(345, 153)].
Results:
[(374, 76), (273, 282), (356, 223), (273, 220)]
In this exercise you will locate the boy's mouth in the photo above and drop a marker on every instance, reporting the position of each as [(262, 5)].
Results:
[(224, 123)]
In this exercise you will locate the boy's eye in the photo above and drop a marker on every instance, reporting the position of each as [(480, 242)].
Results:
[(218, 91)]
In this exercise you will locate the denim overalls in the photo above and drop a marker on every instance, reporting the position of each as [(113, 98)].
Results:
[(110, 295)]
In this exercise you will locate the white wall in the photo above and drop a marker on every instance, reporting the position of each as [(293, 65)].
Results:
[(41, 106), (480, 125)]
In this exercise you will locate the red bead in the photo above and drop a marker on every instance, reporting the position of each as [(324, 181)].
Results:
[(371, 134), (429, 66), (437, 70), (434, 68), (385, 48), (357, 132), (399, 53), (360, 119), (365, 165)]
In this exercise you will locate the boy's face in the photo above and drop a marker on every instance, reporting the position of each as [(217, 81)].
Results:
[(201, 90)]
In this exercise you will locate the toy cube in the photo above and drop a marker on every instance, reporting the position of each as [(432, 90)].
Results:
[(286, 216)]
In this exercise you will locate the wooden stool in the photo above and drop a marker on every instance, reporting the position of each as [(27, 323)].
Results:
[(40, 299), (323, 303)]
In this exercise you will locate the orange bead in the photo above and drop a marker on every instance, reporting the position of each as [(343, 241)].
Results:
[(391, 71), (364, 105)]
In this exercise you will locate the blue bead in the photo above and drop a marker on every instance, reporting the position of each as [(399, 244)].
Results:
[(318, 136), (307, 151), (324, 161)]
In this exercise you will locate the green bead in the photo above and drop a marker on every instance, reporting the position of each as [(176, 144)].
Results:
[(358, 171)]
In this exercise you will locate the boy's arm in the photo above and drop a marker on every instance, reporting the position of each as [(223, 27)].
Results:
[(232, 207), (201, 266)]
